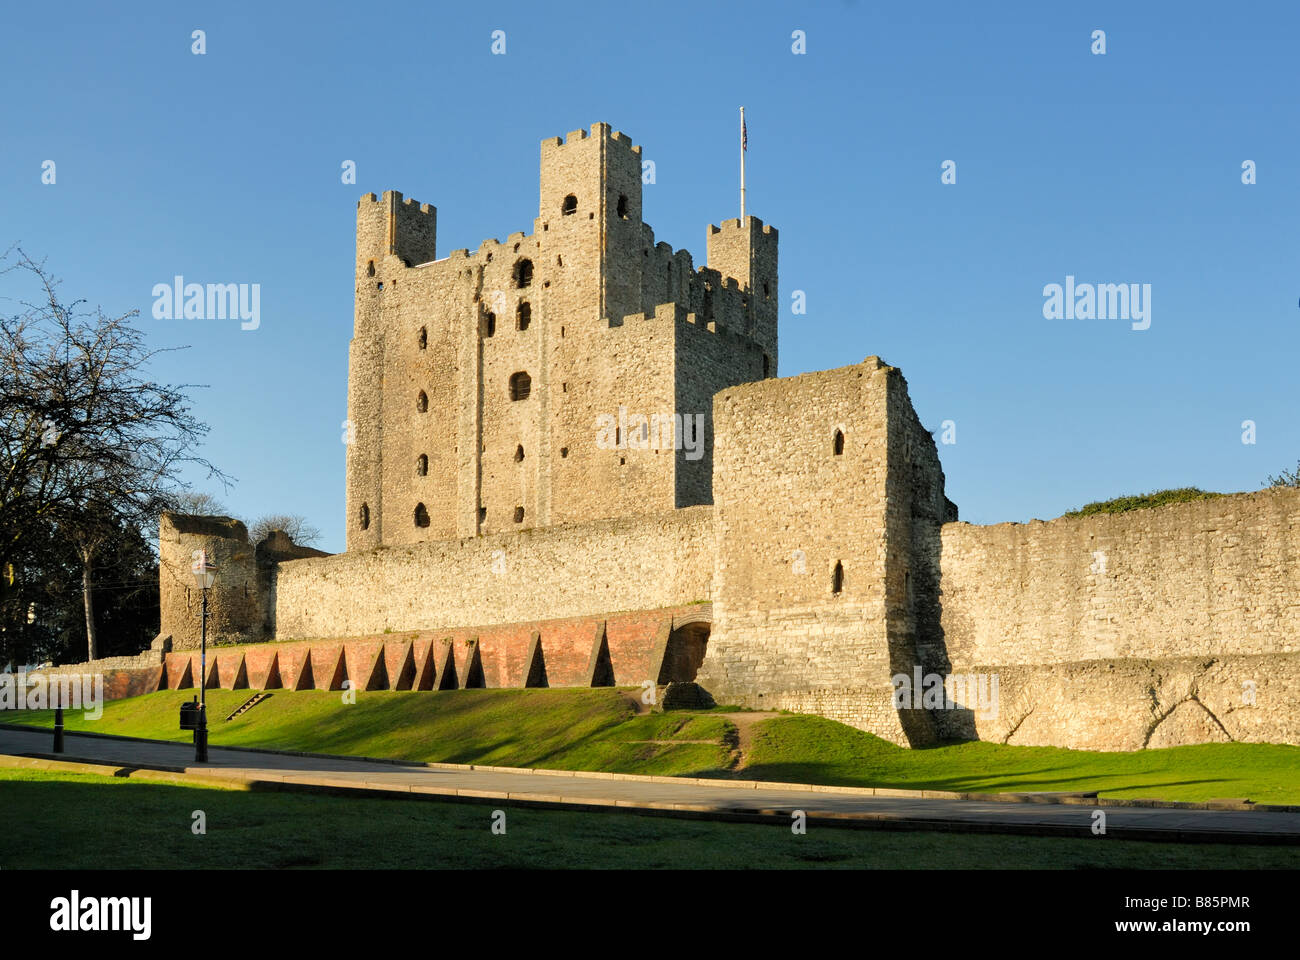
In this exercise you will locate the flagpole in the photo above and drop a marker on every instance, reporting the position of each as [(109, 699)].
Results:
[(742, 166)]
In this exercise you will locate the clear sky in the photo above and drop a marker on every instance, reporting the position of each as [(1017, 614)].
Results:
[(1117, 168)]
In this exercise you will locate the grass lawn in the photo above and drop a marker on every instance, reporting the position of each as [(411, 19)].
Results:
[(817, 750), (599, 730), (148, 825)]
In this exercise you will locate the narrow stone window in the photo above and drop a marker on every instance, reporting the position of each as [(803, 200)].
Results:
[(523, 273), (422, 465), (491, 324), (559, 261), (839, 442), (767, 291), (767, 366), (564, 451), (370, 269), (424, 338), (421, 515), (365, 517), (622, 206), (519, 514), (569, 206), (482, 514), (519, 453), (523, 315), (379, 285), (422, 402), (837, 578), (521, 384)]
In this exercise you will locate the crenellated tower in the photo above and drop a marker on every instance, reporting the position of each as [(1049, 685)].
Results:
[(560, 376)]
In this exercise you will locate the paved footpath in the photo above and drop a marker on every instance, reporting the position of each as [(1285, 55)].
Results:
[(738, 800)]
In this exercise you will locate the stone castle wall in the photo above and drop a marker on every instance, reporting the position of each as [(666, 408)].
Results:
[(1212, 577), (813, 595), (634, 563)]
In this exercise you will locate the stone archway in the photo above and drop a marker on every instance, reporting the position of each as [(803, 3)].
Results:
[(687, 644)]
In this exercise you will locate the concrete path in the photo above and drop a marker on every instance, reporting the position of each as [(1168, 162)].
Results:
[(748, 801)]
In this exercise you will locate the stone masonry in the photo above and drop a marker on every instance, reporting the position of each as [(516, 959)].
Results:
[(524, 486)]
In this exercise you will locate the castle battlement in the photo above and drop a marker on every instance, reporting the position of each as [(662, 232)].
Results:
[(475, 379), (598, 131)]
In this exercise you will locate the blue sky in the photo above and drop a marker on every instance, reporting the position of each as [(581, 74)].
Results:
[(1119, 168)]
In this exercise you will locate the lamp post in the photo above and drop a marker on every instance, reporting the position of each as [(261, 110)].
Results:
[(205, 574)]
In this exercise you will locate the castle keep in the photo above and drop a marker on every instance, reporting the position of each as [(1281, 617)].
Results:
[(475, 380), (572, 463)]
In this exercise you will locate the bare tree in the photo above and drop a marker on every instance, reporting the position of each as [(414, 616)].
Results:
[(87, 441), (200, 503), (297, 527)]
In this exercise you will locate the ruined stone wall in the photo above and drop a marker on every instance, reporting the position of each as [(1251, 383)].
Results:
[(598, 568), (1129, 704), (1157, 627), (241, 603), (789, 509), (236, 608), (1213, 577)]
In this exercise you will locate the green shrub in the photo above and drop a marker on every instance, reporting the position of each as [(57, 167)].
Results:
[(1142, 501)]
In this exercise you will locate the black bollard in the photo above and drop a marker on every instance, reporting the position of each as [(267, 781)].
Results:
[(58, 729)]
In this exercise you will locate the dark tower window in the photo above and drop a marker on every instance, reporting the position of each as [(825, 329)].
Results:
[(482, 514), (521, 384), (422, 465), (564, 451), (421, 515), (519, 453), (570, 205), (767, 365), (519, 514), (837, 578), (422, 402), (523, 273), (767, 291), (491, 324), (839, 442), (424, 338), (524, 315), (365, 517), (622, 206), (370, 269)]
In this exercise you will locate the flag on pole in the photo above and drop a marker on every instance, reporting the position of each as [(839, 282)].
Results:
[(744, 136)]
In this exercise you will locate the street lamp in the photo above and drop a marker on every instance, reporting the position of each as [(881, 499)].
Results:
[(205, 575)]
